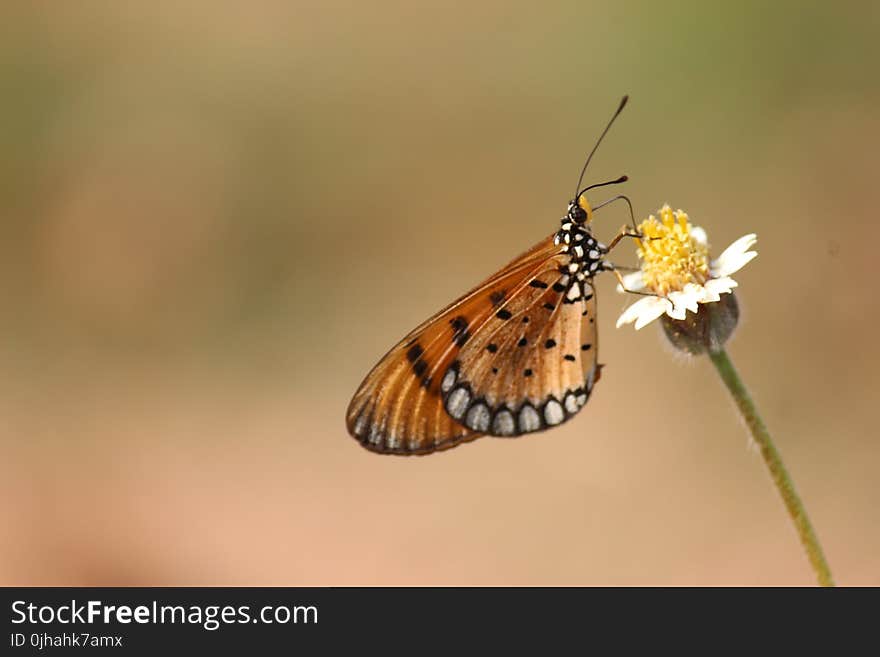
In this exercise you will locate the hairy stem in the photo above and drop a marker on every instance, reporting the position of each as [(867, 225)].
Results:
[(775, 465)]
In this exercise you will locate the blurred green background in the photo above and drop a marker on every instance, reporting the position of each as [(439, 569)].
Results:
[(218, 215)]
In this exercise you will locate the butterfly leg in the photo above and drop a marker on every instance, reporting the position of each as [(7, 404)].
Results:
[(610, 267), (624, 232)]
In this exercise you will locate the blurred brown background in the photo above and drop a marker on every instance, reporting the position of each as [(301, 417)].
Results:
[(217, 216)]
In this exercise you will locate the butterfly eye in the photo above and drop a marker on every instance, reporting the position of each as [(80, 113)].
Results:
[(576, 213)]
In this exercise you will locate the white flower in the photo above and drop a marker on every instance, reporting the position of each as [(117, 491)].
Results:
[(675, 269)]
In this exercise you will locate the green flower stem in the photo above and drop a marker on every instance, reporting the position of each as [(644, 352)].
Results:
[(774, 463)]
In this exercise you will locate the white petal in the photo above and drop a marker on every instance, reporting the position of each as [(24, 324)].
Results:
[(643, 312), (699, 235), (694, 292), (734, 257), (709, 295), (681, 303), (654, 309), (676, 312), (631, 314), (719, 286), (685, 300), (731, 263), (634, 281)]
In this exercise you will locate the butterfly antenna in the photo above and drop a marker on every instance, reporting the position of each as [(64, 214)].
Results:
[(599, 141), (617, 181)]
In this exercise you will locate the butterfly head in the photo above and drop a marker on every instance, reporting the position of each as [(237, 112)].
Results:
[(579, 211)]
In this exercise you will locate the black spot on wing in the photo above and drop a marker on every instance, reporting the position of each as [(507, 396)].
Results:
[(541, 285), (497, 297), (550, 344), (503, 314), (419, 367), (414, 352), (460, 334)]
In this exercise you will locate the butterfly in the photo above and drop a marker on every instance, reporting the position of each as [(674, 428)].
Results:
[(516, 355)]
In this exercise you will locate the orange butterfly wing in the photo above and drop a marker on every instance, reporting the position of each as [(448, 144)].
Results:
[(535, 366), (399, 407)]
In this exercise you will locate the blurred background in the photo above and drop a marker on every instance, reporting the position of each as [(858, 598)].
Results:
[(217, 216)]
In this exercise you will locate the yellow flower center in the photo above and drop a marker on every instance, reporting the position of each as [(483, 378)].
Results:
[(670, 255)]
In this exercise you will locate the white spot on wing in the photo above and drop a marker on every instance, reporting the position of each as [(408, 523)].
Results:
[(529, 419), (503, 424), (477, 417), (448, 380), (553, 412), (457, 402), (571, 404)]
